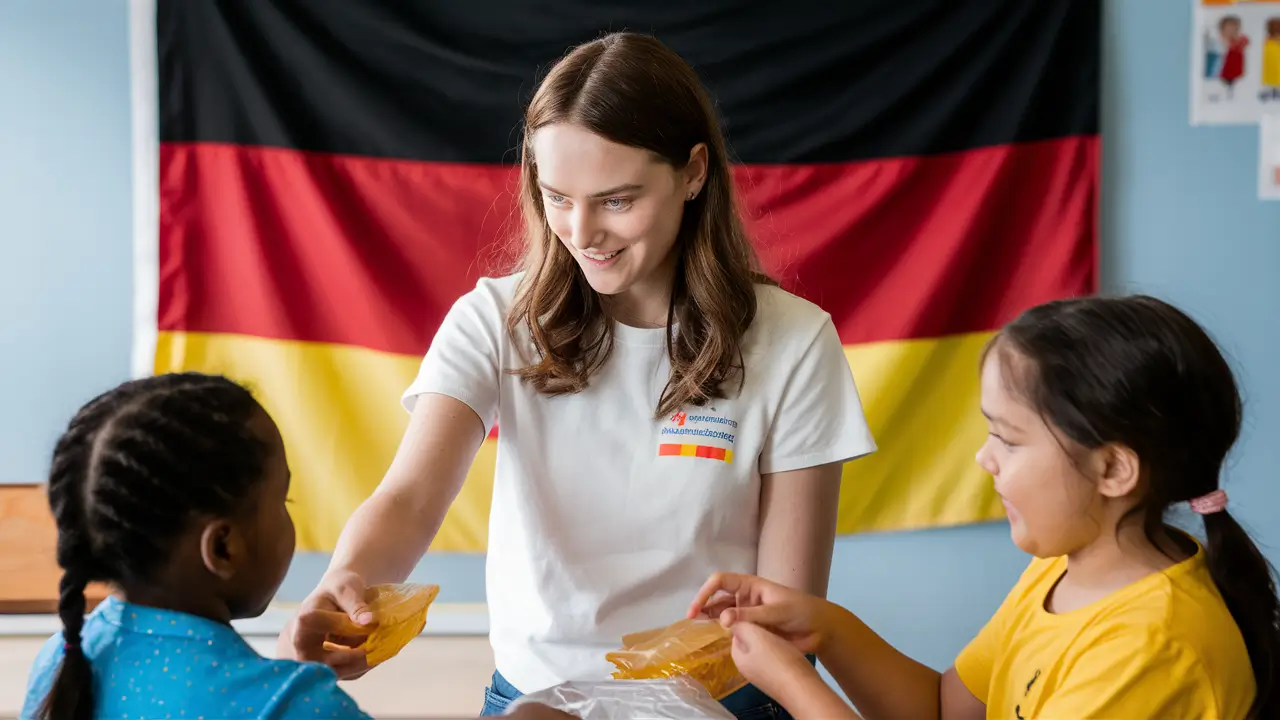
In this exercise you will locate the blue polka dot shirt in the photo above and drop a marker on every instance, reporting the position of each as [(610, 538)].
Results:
[(150, 663)]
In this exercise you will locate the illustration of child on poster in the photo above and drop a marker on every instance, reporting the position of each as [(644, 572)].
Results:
[(1270, 91), (1234, 41), (1212, 54), (1235, 61)]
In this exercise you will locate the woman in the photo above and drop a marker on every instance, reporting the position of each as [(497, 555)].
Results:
[(666, 412)]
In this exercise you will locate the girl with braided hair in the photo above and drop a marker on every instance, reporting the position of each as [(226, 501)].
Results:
[(173, 490)]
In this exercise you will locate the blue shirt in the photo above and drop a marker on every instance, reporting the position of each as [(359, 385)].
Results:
[(150, 663)]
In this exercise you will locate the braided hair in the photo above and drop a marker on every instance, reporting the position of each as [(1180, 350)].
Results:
[(134, 465)]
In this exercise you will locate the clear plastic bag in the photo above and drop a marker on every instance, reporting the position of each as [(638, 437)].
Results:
[(400, 611), (676, 698), (700, 649)]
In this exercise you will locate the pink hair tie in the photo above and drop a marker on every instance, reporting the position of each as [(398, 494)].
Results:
[(1213, 502)]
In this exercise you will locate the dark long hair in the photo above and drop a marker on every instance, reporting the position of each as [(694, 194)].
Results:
[(1137, 372), (633, 90), (134, 465)]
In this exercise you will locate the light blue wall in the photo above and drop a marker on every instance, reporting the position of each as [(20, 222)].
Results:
[(1180, 219), (65, 218)]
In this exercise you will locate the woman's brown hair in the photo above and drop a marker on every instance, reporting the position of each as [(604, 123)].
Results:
[(632, 90)]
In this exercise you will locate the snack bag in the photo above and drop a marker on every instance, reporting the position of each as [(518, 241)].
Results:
[(400, 611), (700, 649), (677, 698)]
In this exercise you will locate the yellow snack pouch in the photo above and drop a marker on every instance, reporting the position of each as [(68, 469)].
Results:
[(400, 610), (700, 649)]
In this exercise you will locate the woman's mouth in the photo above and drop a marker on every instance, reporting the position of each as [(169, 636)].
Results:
[(600, 259)]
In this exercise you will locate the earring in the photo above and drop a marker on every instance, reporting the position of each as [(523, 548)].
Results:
[(693, 194)]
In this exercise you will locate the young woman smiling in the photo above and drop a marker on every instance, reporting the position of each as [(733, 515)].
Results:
[(666, 410)]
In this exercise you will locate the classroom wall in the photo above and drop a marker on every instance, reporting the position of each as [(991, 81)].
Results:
[(65, 218), (1180, 219)]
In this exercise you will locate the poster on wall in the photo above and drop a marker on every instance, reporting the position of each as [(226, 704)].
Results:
[(1269, 157), (1235, 61)]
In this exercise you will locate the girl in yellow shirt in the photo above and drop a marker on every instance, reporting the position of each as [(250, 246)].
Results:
[(1103, 414)]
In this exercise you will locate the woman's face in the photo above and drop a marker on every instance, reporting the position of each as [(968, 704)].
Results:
[(616, 208)]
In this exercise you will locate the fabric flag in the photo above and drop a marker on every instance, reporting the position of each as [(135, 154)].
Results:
[(330, 176)]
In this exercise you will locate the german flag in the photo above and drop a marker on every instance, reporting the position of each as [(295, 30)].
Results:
[(327, 177)]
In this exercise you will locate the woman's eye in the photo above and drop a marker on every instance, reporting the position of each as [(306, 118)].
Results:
[(617, 203), (557, 199)]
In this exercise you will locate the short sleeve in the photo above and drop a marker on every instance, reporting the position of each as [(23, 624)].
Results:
[(819, 419), (1132, 674), (312, 692), (976, 661), (40, 680), (464, 359)]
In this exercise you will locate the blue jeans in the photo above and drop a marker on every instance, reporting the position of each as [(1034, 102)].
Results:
[(746, 704)]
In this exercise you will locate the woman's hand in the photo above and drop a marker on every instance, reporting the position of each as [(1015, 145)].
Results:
[(332, 624), (801, 619)]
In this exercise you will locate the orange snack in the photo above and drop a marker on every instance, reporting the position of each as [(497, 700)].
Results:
[(400, 611), (701, 649)]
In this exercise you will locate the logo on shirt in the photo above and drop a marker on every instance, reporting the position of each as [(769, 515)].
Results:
[(698, 426), (702, 425)]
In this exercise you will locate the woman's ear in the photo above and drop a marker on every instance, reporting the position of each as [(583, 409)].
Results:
[(1119, 470), (695, 171), (222, 548)]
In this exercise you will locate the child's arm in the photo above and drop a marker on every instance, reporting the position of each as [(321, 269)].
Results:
[(809, 697), (957, 702), (879, 680), (882, 682)]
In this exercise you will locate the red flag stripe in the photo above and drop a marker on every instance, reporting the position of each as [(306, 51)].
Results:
[(372, 252)]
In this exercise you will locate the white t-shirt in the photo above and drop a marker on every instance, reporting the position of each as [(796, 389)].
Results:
[(605, 520)]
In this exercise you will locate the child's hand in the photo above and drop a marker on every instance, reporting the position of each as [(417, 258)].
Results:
[(802, 619), (771, 663)]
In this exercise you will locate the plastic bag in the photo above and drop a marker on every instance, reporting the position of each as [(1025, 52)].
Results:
[(700, 649), (677, 698), (401, 612)]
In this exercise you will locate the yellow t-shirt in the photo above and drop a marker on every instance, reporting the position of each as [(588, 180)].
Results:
[(1163, 647), (1271, 63)]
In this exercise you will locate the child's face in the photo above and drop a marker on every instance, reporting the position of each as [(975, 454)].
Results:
[(1230, 31), (267, 529), (1048, 501)]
